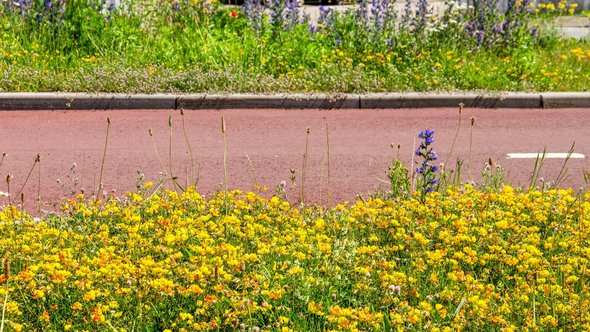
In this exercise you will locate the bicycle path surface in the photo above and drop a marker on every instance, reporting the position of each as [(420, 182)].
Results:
[(264, 145)]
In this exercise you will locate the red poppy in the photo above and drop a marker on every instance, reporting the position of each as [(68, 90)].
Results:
[(233, 14)]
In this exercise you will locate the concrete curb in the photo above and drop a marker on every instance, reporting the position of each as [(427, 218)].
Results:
[(105, 101), (566, 100), (84, 101), (290, 101), (419, 100)]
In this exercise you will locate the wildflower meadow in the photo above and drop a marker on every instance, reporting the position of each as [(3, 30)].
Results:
[(273, 46)]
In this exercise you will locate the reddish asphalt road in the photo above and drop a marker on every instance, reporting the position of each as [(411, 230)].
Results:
[(274, 140)]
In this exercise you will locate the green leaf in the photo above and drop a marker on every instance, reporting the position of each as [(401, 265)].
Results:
[(387, 323)]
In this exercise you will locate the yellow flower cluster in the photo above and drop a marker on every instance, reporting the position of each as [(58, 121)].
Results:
[(554, 72), (461, 260), (563, 7)]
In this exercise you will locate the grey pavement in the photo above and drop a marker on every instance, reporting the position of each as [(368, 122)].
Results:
[(572, 26), (106, 101)]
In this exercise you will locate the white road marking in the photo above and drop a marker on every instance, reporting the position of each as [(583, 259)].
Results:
[(547, 155)]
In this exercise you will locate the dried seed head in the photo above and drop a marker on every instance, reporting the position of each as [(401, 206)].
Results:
[(396, 289), (472, 121), (151, 133), (169, 120), (182, 111), (461, 107), (223, 125), (38, 158), (109, 121), (490, 162), (308, 129), (6, 268)]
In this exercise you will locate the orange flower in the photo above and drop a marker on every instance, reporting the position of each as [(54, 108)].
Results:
[(44, 317)]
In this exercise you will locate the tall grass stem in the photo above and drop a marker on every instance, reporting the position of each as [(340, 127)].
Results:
[(191, 179), (37, 160), (470, 148), (412, 174), (4, 303), (456, 135), (537, 168), (256, 185), (304, 168), (224, 135), (156, 150), (104, 155), (563, 171), (328, 162)]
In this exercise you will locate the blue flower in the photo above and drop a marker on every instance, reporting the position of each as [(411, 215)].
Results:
[(426, 171)]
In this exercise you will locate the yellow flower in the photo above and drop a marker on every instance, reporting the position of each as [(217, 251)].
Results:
[(195, 289), (89, 58), (90, 295), (38, 294), (76, 306), (315, 308)]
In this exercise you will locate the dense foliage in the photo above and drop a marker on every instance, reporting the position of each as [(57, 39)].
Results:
[(461, 259)]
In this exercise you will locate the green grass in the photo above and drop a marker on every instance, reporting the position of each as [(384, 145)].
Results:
[(204, 48)]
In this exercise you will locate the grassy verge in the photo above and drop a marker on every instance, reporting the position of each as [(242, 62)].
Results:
[(202, 47)]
